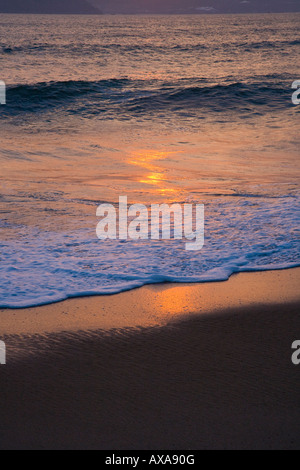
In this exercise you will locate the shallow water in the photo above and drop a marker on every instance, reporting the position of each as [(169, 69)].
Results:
[(162, 109)]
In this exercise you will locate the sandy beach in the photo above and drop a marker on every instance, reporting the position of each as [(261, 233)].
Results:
[(185, 367)]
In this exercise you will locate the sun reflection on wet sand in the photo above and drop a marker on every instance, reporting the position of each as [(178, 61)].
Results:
[(155, 305)]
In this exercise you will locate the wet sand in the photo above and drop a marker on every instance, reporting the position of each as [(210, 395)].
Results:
[(185, 367)]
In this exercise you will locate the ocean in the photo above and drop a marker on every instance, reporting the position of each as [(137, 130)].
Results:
[(161, 109)]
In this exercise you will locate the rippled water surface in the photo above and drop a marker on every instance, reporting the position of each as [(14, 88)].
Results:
[(162, 109)]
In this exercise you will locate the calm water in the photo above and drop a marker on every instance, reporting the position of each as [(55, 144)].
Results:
[(161, 109)]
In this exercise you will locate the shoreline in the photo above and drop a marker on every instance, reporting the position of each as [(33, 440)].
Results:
[(147, 284), (155, 304)]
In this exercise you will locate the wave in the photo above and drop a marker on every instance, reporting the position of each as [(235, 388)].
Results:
[(234, 95), (132, 97), (241, 235), (62, 90), (80, 48), (267, 44), (130, 284), (26, 48)]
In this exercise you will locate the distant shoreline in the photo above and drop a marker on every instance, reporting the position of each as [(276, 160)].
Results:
[(156, 14)]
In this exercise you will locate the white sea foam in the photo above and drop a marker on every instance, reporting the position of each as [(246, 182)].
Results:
[(240, 235)]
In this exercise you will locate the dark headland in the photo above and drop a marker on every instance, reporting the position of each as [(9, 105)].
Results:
[(147, 6), (81, 7)]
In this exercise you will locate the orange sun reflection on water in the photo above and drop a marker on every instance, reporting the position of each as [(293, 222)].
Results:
[(154, 174)]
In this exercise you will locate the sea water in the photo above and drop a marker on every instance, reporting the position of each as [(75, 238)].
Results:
[(161, 109)]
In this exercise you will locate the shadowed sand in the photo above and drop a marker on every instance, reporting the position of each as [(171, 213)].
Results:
[(219, 380)]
